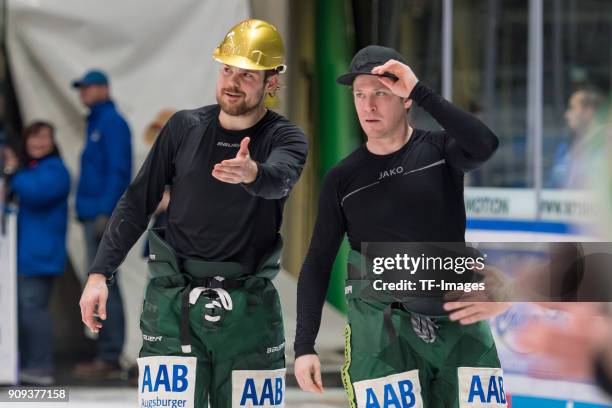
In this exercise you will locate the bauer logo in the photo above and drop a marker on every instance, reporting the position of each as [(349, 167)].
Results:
[(275, 349), (152, 338), (398, 390), (481, 387), (166, 381), (228, 144), (258, 388)]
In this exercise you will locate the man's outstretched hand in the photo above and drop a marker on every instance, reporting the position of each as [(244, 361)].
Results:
[(241, 169)]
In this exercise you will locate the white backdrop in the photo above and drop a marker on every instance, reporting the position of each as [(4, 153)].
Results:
[(157, 54), (8, 301)]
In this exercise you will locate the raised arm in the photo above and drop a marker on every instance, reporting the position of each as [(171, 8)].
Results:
[(468, 143), (281, 170)]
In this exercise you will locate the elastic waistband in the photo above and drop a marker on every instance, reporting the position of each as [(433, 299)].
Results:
[(205, 269), (360, 286), (161, 251)]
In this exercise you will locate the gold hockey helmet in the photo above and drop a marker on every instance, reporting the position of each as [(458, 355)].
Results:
[(252, 44)]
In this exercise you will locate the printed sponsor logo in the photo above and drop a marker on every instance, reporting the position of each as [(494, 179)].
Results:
[(568, 208), (151, 338), (95, 136), (275, 348), (481, 387), (227, 144), (391, 172), (258, 388), (394, 391), (166, 381), (487, 205)]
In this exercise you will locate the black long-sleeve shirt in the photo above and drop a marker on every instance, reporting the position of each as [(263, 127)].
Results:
[(412, 195), (208, 219)]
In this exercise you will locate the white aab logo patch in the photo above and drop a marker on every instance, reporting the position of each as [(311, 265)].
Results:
[(166, 381), (398, 390), (95, 136), (481, 387), (258, 388)]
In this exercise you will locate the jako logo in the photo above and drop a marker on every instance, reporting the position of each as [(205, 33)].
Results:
[(399, 394), (391, 172), (495, 389), (272, 395), (173, 379)]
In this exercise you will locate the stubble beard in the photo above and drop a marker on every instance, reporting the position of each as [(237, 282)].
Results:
[(240, 108)]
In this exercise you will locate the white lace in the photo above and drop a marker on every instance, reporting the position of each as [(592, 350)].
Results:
[(224, 300)]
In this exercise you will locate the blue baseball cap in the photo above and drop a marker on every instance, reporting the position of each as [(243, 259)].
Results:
[(91, 77)]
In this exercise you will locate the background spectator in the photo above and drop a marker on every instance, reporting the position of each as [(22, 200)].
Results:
[(106, 168), (41, 183), (571, 162)]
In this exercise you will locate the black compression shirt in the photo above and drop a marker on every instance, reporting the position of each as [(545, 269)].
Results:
[(209, 219), (412, 195)]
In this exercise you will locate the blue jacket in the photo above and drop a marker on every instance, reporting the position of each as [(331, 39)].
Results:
[(43, 188), (560, 168), (106, 162)]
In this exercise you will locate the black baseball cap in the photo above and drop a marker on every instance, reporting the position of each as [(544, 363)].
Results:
[(366, 59)]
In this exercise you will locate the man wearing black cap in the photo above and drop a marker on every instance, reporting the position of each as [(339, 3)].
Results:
[(402, 185), (106, 170)]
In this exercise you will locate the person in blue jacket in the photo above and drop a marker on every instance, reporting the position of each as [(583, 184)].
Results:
[(41, 184), (106, 168)]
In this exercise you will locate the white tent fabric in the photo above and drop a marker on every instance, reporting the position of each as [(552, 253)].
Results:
[(8, 303), (157, 54)]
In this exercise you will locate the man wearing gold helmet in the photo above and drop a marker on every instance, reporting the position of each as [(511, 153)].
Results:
[(211, 322)]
